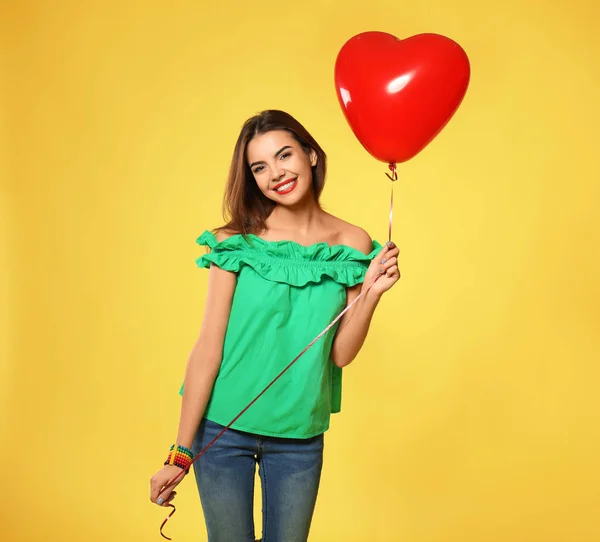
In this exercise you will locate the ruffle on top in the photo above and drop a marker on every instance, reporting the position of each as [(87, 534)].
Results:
[(287, 261)]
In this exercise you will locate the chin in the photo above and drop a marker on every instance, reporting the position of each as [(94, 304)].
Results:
[(299, 195)]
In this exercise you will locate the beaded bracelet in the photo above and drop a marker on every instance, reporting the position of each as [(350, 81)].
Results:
[(181, 458)]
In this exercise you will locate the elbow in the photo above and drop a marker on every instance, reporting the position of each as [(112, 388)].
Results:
[(344, 352), (205, 365), (340, 361), (341, 357)]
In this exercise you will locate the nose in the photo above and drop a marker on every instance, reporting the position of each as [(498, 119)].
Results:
[(278, 173)]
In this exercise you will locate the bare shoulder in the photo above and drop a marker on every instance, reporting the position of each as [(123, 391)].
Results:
[(359, 239), (354, 236)]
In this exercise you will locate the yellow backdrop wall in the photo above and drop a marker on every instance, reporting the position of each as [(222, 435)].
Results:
[(472, 413)]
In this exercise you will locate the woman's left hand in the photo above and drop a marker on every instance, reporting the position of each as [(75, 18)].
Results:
[(386, 265)]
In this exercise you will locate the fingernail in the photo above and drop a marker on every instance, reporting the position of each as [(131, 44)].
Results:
[(383, 260), (160, 501), (390, 244)]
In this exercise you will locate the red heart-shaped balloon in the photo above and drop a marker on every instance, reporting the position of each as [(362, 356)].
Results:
[(398, 94)]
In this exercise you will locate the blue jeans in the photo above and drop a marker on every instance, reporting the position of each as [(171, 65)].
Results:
[(290, 470)]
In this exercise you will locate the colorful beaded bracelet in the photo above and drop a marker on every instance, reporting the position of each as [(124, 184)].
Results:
[(182, 457)]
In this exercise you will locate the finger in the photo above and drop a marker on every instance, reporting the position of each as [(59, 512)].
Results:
[(386, 258), (385, 250), (382, 253), (163, 498), (161, 492), (392, 253), (169, 498), (387, 263), (155, 488), (393, 272)]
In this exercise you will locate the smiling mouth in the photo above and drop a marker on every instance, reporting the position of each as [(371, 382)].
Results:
[(286, 186)]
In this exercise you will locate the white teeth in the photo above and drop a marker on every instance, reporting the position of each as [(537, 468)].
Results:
[(285, 186)]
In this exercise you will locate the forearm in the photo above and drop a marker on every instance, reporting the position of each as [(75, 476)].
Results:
[(200, 376), (353, 330)]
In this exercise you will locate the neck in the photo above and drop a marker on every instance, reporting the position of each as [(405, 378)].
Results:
[(301, 219)]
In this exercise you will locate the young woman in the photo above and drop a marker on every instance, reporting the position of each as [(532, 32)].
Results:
[(280, 271)]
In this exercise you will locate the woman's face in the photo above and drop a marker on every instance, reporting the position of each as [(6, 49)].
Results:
[(281, 167)]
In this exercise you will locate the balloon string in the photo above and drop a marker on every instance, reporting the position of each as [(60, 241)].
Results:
[(393, 177), (168, 517), (179, 475), (391, 212)]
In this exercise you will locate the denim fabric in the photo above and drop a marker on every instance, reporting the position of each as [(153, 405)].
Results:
[(289, 469)]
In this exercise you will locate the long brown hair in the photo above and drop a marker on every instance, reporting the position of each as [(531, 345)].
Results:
[(245, 207)]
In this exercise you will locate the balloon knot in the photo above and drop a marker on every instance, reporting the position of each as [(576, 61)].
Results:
[(394, 175)]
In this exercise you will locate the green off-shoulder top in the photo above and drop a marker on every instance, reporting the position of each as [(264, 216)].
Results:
[(285, 295)]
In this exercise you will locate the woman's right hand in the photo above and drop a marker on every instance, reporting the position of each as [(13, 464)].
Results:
[(158, 494)]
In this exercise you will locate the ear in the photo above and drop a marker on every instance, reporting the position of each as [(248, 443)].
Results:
[(313, 157)]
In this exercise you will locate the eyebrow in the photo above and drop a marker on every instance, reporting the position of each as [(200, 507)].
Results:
[(275, 156)]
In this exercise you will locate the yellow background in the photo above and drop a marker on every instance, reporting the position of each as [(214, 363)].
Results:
[(472, 413)]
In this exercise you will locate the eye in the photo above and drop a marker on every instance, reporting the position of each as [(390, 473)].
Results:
[(285, 155), (258, 169)]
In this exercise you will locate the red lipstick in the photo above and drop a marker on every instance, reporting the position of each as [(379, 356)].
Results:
[(294, 181)]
